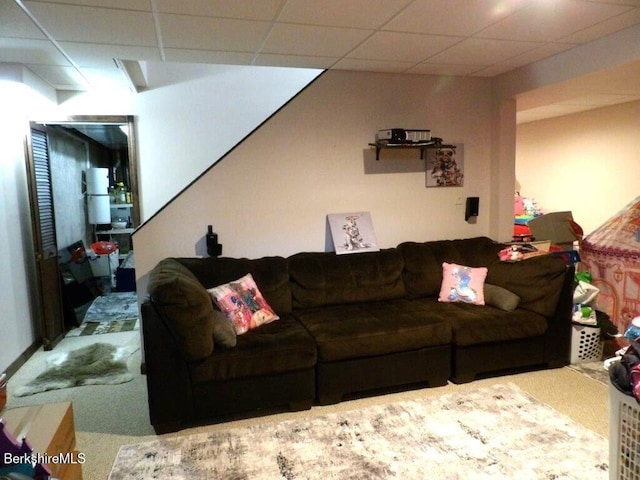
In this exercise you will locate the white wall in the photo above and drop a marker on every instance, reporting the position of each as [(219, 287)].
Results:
[(258, 92), (270, 196), (17, 259), (184, 127), (587, 162)]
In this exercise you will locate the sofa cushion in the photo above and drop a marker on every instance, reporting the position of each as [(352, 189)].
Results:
[(243, 304), (185, 304), (373, 328), (462, 284), (537, 281), (423, 261), (476, 324), (324, 279), (277, 347), (270, 274)]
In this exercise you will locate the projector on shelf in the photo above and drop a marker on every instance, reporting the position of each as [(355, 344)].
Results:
[(401, 135)]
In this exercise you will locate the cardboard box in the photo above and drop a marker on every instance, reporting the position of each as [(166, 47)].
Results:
[(50, 431), (555, 227)]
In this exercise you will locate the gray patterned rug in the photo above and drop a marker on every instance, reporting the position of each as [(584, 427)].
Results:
[(115, 306), (98, 328), (492, 433)]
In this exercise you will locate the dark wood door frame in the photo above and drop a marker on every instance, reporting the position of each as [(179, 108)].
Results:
[(50, 319)]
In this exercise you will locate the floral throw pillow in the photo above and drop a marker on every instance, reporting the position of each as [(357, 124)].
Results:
[(462, 284), (243, 304)]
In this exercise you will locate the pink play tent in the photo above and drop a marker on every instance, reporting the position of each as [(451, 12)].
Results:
[(611, 253)]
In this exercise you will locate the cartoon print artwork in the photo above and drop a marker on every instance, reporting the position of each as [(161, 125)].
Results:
[(353, 239), (446, 172), (461, 291), (248, 304)]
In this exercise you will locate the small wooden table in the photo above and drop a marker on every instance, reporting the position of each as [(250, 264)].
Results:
[(50, 430)]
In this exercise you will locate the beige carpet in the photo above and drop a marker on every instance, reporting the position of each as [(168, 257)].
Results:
[(108, 417)]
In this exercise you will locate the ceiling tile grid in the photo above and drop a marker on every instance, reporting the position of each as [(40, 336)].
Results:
[(435, 37)]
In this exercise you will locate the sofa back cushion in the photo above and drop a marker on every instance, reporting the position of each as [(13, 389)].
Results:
[(537, 281), (269, 273), (185, 306), (324, 278), (423, 261)]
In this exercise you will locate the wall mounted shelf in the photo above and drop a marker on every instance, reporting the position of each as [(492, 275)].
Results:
[(422, 146)]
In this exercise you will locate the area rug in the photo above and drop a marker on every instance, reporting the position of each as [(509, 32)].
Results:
[(95, 364), (498, 432), (98, 328), (115, 306)]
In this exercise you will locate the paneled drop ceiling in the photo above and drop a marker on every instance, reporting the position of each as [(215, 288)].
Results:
[(80, 44)]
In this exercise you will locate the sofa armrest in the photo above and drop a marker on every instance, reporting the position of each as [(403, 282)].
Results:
[(168, 379), (558, 342)]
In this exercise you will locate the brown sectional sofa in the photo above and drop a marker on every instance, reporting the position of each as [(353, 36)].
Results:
[(348, 324)]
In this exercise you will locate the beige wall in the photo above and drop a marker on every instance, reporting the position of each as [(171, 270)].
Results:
[(271, 195), (587, 162)]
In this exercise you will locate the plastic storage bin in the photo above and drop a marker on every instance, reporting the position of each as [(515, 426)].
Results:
[(585, 344), (624, 436)]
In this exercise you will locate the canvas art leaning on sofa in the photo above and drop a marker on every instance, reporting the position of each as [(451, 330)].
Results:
[(235, 335)]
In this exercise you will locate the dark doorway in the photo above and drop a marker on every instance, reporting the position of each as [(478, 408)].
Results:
[(58, 206)]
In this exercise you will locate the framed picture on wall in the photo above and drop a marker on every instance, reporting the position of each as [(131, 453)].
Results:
[(352, 232), (445, 167)]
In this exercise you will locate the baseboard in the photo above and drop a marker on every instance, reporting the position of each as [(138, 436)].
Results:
[(22, 359)]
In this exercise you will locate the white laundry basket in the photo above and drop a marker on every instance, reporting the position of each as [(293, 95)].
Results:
[(624, 436), (586, 345)]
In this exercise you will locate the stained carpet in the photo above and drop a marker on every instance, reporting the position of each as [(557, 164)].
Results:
[(498, 432)]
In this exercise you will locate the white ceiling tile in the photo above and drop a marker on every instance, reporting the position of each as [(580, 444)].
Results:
[(410, 47), (313, 40), (606, 27), (444, 69), (14, 22), (301, 61), (207, 33), (482, 51), (97, 25), (538, 53), (452, 17), (493, 70), (207, 56), (339, 13), (142, 5), (92, 55), (372, 65), (551, 20), (14, 50), (240, 9)]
